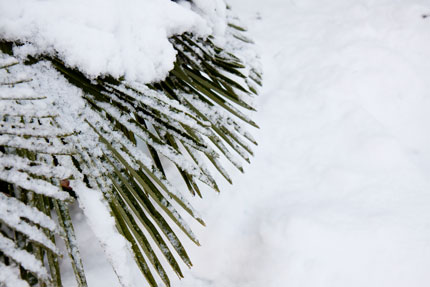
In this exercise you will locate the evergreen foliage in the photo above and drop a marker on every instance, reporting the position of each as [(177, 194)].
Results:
[(48, 155)]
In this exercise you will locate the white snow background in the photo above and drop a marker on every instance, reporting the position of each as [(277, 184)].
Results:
[(338, 193)]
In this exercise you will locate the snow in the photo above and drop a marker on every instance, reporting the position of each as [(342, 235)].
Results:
[(120, 38), (25, 259), (117, 249), (12, 211), (214, 12), (10, 276), (338, 191), (37, 185)]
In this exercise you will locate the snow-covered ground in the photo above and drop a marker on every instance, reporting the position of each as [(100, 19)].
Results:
[(338, 193)]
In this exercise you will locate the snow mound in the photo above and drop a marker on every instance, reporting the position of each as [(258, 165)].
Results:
[(120, 38)]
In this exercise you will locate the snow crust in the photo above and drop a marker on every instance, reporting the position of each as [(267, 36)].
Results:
[(121, 38)]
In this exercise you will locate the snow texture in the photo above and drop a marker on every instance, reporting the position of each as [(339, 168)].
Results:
[(9, 276), (121, 38), (338, 192), (11, 213), (25, 259)]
